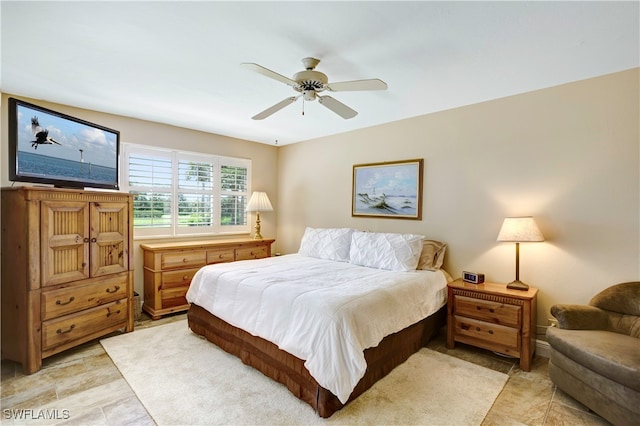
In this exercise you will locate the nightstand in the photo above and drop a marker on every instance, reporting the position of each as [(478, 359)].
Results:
[(492, 317)]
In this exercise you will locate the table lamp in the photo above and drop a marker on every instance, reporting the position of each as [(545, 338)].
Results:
[(259, 202), (519, 230)]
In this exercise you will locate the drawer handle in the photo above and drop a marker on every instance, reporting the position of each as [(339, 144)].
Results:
[(94, 239), (490, 309), (71, 299), (477, 328), (185, 260), (490, 331), (59, 331), (115, 289), (220, 256), (86, 240), (109, 313), (185, 277)]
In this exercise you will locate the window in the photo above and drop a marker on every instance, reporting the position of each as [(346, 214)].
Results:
[(183, 193)]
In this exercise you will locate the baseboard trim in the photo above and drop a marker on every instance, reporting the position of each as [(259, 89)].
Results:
[(543, 348)]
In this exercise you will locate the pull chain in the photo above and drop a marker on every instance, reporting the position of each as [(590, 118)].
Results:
[(303, 105)]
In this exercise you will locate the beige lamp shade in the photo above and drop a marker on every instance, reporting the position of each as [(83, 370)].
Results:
[(520, 230), (259, 202)]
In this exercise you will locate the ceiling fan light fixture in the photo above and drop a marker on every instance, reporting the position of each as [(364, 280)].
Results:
[(309, 95), (309, 83)]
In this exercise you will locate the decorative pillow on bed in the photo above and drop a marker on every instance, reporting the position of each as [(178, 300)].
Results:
[(326, 243), (393, 252), (432, 255)]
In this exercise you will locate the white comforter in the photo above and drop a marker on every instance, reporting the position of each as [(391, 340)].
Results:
[(322, 311)]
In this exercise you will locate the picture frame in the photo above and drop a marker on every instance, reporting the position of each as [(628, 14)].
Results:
[(388, 190)]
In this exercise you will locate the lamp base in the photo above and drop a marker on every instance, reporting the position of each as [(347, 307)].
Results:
[(517, 285)]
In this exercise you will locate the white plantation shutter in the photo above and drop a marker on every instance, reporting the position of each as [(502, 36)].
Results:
[(181, 193), (233, 193)]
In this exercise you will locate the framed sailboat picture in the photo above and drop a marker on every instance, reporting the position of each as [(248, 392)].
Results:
[(388, 190)]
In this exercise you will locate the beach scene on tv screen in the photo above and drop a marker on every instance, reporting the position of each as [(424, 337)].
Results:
[(55, 147)]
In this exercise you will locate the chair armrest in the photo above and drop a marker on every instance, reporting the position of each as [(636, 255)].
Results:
[(580, 317)]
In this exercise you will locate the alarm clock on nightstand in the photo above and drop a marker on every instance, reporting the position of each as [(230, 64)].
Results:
[(472, 277)]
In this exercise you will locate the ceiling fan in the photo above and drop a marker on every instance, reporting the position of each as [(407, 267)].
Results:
[(309, 83)]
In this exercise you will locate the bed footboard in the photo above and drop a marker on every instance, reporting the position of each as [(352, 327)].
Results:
[(289, 370)]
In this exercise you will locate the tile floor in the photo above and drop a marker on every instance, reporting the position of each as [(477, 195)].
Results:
[(82, 386)]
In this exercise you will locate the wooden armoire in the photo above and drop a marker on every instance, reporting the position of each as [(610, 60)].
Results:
[(67, 270)]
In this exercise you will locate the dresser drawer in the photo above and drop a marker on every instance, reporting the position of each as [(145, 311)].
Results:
[(70, 299), (220, 256), (486, 310), (179, 278), (75, 326), (173, 297), (495, 337), (186, 259), (251, 253)]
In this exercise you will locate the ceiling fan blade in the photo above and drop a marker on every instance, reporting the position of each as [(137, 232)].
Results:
[(371, 84), (268, 73), (338, 107), (277, 107)]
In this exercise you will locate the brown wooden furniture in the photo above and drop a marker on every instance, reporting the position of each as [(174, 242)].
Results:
[(492, 317), (169, 268), (67, 270)]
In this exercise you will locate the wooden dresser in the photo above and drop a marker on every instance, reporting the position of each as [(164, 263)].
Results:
[(492, 317), (67, 270), (169, 268)]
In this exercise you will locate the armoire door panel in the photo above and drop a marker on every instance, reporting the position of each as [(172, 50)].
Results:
[(64, 241), (109, 235)]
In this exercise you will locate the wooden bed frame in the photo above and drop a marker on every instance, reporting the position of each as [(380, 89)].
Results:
[(290, 371)]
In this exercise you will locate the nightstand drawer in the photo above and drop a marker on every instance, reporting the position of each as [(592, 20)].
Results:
[(496, 336), (187, 259), (251, 253), (486, 310)]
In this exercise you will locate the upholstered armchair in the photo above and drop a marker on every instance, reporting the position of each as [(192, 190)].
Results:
[(595, 353)]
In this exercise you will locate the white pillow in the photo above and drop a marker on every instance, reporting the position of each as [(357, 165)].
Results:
[(326, 243), (393, 252)]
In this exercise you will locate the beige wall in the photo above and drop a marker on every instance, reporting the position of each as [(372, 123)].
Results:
[(567, 155), (264, 157)]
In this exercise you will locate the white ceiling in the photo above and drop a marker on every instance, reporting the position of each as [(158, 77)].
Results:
[(178, 62)]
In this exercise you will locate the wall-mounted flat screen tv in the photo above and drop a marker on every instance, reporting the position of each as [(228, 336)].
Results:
[(53, 148)]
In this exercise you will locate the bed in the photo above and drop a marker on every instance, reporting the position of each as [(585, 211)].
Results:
[(330, 320)]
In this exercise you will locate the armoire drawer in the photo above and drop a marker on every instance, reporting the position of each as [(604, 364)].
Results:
[(75, 326), (76, 298)]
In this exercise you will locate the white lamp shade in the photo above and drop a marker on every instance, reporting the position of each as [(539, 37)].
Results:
[(520, 230), (259, 202)]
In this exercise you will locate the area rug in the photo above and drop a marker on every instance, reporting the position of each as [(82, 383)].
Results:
[(183, 379)]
